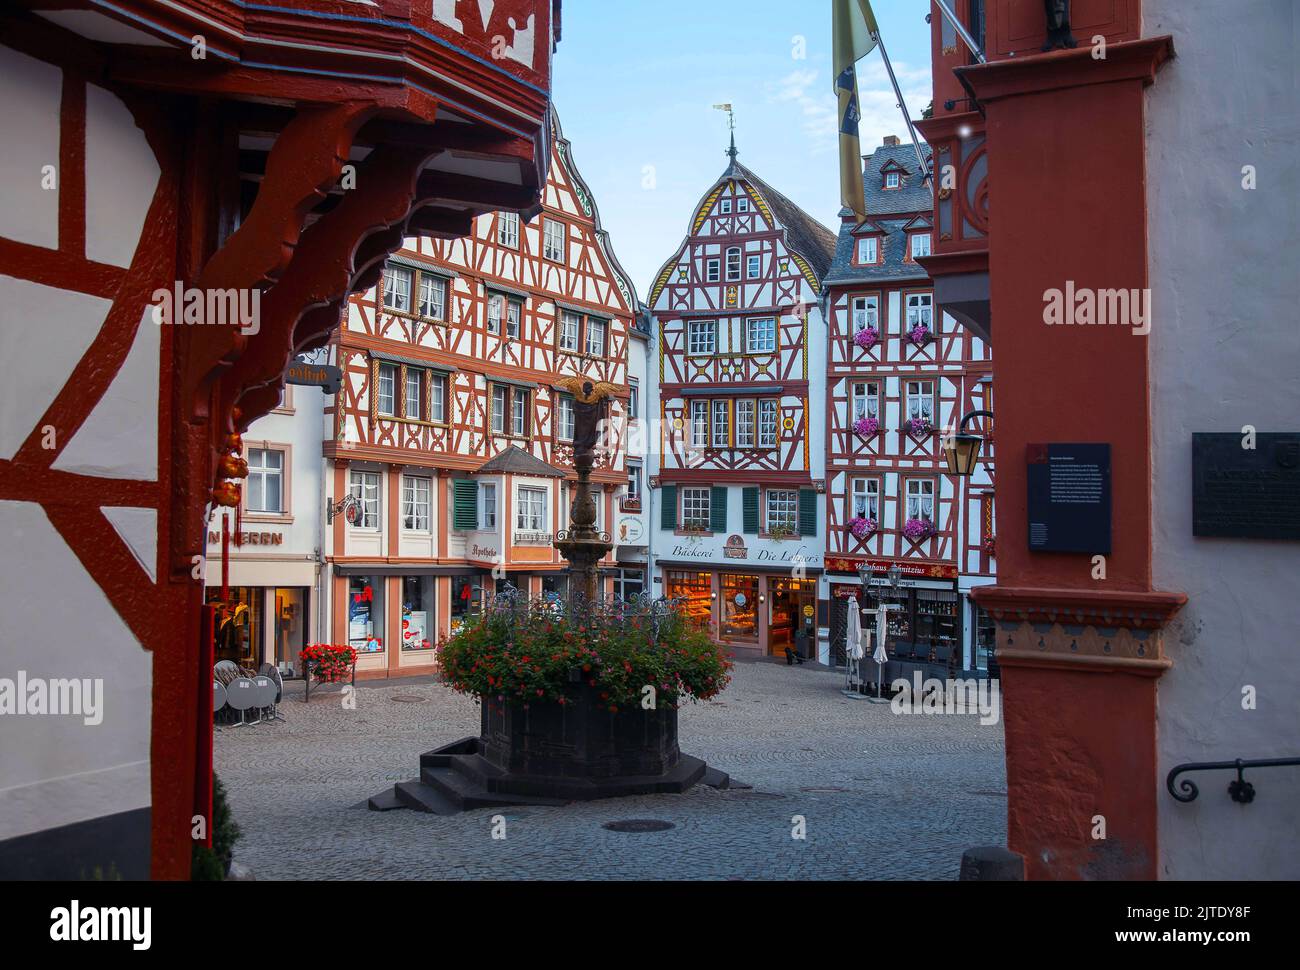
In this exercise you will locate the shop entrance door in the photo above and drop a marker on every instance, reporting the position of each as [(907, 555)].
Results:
[(794, 609)]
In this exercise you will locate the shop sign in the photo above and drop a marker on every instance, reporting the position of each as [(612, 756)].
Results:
[(880, 567), (324, 376), (736, 548), (249, 538), (630, 530), (479, 552)]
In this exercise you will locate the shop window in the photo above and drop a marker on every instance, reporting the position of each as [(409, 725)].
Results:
[(290, 628), (239, 625), (366, 614), (693, 595), (986, 633), (364, 486), (629, 584), (265, 488), (936, 623), (418, 600), (739, 619), (466, 599)]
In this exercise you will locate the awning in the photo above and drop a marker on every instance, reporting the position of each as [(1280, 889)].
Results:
[(388, 569)]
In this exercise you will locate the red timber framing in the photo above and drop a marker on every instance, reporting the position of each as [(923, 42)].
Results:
[(297, 145), (511, 309), (1080, 656)]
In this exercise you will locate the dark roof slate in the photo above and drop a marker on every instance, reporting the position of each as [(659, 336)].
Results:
[(804, 234), (516, 461)]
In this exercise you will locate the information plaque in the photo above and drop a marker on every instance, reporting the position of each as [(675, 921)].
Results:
[(1069, 498), (1244, 492)]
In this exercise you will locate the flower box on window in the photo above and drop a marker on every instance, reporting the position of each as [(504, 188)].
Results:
[(867, 338), (860, 528), (919, 335), (781, 531), (695, 525), (918, 530), (867, 427), (918, 427)]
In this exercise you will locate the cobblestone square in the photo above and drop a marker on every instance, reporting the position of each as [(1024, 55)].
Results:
[(884, 795)]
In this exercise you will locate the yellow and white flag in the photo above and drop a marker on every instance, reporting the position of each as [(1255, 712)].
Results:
[(855, 34)]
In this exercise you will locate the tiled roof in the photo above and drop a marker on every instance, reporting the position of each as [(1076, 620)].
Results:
[(906, 203), (804, 234)]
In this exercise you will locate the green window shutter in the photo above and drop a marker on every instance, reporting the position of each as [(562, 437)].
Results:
[(751, 511), (718, 510), (669, 512), (464, 506), (807, 512)]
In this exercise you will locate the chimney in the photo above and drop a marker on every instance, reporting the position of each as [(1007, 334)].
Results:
[(891, 140)]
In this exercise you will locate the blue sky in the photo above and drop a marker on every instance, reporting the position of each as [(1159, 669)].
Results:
[(635, 81)]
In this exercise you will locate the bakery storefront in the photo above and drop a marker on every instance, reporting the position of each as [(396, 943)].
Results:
[(925, 621), (763, 609)]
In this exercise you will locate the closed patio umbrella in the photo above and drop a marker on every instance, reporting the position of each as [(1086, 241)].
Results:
[(881, 656), (853, 647)]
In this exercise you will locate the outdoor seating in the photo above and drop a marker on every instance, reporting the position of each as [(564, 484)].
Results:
[(242, 697)]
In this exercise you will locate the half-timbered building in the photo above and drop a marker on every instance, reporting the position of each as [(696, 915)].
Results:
[(451, 442), (740, 340), (900, 374)]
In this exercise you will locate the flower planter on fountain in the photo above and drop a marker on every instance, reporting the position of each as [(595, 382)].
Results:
[(578, 702)]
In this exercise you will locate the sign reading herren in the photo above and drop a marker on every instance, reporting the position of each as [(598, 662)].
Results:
[(1246, 486)]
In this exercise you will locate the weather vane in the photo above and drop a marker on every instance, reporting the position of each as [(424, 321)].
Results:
[(731, 123)]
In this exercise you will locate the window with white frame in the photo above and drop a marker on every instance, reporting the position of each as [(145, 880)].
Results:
[(417, 503), (595, 337), (767, 424), (701, 337), (742, 204), (500, 397), (496, 308), (634, 481), (746, 423), (570, 331), (386, 403), (519, 412), (364, 487), (696, 508), (433, 297), (531, 516), (920, 400), (866, 400), (782, 511), (565, 417), (865, 499), (891, 180), (514, 313), (733, 265), (508, 230), (487, 506), (555, 240), (760, 335), (633, 398), (713, 270), (721, 424), (265, 488), (920, 498), (700, 424), (726, 207), (753, 267), (438, 398), (920, 244), (869, 250), (920, 307), (866, 313), (413, 399), (397, 288)]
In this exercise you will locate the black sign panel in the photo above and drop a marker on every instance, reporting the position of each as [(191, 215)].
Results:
[(1246, 493), (1069, 498), (324, 376)]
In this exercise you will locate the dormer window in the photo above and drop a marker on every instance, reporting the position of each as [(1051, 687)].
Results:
[(892, 180), (920, 244), (726, 207), (868, 252)]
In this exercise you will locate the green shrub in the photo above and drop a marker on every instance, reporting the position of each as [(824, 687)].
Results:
[(212, 864)]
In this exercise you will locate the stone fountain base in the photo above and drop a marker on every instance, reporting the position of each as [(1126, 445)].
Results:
[(551, 754)]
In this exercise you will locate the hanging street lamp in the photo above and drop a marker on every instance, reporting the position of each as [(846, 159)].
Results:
[(962, 450)]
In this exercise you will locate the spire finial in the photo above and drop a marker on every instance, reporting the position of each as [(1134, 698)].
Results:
[(731, 123)]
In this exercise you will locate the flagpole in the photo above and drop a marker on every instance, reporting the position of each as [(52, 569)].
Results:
[(925, 170), (958, 26)]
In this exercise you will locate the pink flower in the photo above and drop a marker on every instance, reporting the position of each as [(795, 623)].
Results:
[(919, 335), (919, 426), (867, 338), (866, 427), (918, 529), (861, 528)]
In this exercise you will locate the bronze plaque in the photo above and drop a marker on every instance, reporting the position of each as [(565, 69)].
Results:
[(1246, 493)]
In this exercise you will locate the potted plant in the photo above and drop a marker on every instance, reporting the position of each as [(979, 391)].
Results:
[(867, 337), (695, 526), (867, 427), (919, 335), (918, 427), (780, 531), (861, 527), (329, 664), (918, 530)]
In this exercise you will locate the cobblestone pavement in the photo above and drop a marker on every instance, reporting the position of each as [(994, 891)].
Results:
[(884, 795)]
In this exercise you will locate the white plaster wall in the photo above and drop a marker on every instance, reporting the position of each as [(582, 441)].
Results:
[(1226, 353)]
